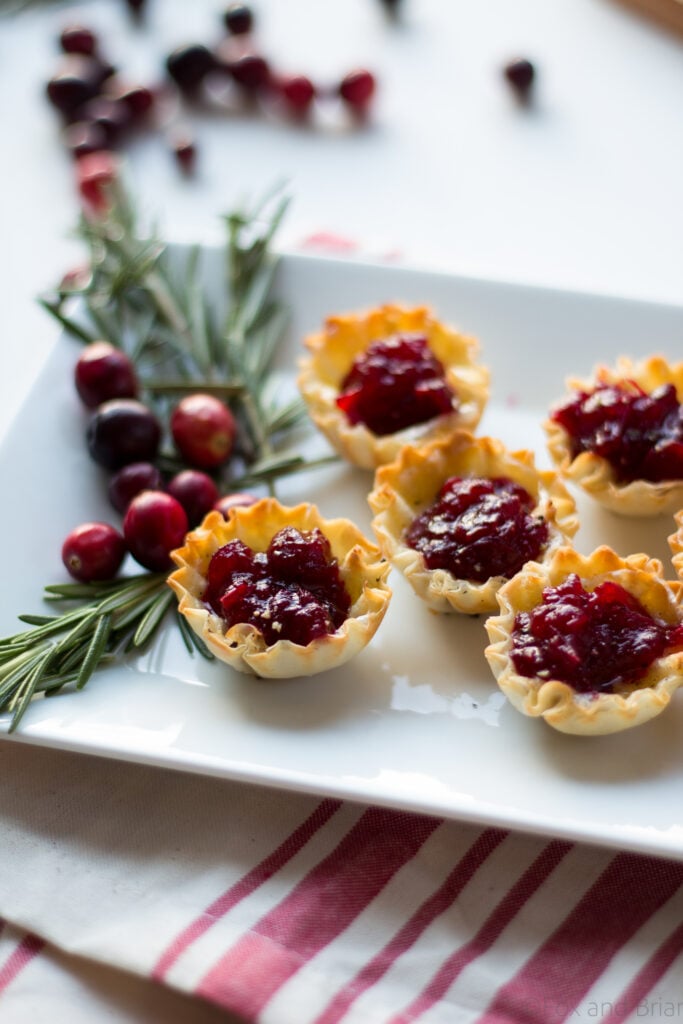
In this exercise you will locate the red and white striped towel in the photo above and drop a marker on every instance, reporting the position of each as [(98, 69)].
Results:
[(288, 909)]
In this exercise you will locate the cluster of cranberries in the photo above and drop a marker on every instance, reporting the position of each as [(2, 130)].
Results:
[(395, 383), (124, 437), (594, 641), (479, 528), (292, 591), (236, 61)]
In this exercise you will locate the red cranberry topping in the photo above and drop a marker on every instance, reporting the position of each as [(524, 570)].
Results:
[(395, 383), (594, 641), (639, 434), (93, 551), (479, 528), (293, 591)]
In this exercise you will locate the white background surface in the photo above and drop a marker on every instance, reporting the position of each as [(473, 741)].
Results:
[(582, 191)]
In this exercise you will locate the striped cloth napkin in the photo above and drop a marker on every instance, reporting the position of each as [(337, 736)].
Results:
[(135, 894)]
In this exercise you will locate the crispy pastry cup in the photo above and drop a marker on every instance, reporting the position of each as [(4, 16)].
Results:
[(593, 473), (676, 544), (242, 646), (557, 702), (411, 484), (332, 351)]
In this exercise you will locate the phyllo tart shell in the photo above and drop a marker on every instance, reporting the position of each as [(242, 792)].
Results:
[(593, 473), (562, 707), (332, 351), (242, 646), (409, 485), (676, 544)]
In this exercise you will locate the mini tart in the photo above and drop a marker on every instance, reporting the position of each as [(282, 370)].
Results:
[(410, 485), (557, 702), (242, 646), (593, 473), (343, 338)]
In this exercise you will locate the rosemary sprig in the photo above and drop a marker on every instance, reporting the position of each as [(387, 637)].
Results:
[(137, 297)]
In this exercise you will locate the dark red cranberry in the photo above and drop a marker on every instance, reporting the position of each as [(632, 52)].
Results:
[(238, 19), (122, 431), (237, 500), (155, 523), (596, 641), (203, 430), (78, 39), (184, 150), (189, 65), (112, 116), (250, 71), (357, 89), (395, 383), (139, 99), (96, 175), (195, 491), (478, 528), (102, 372), (83, 138), (131, 480), (639, 434), (264, 590), (520, 75), (93, 551), (78, 80), (297, 92)]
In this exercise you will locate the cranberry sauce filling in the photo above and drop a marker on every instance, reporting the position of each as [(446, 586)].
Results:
[(478, 528), (293, 591), (395, 383), (594, 641), (639, 434)]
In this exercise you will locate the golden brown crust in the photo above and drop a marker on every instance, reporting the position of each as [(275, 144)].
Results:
[(242, 646), (593, 473), (332, 351), (409, 485), (558, 703), (676, 544)]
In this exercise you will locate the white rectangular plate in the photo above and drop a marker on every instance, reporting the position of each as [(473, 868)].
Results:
[(416, 721)]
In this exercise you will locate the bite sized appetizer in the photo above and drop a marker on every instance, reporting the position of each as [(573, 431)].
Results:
[(619, 436), (376, 381), (593, 644), (280, 591), (461, 515)]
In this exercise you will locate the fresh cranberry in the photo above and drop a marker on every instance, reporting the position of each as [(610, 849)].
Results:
[(395, 383), (78, 39), (131, 480), (78, 80), (123, 430), (230, 501), (238, 19), (520, 75), (357, 89), (203, 430), (111, 115), (250, 71), (189, 65), (139, 99), (297, 92), (184, 150), (102, 372), (269, 590), (155, 523), (639, 434), (478, 528), (83, 138), (93, 551), (96, 174), (195, 491), (594, 641)]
